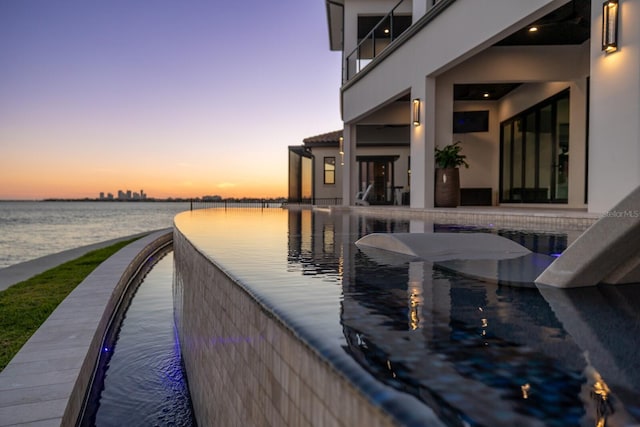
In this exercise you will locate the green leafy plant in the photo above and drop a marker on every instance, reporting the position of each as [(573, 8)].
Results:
[(449, 156)]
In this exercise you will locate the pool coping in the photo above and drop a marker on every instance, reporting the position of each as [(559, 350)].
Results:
[(522, 218), (45, 383)]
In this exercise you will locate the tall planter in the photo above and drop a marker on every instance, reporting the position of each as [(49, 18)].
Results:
[(447, 190)]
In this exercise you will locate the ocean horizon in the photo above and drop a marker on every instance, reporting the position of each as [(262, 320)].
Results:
[(33, 229)]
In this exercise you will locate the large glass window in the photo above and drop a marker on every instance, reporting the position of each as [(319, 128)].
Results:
[(534, 153), (329, 170)]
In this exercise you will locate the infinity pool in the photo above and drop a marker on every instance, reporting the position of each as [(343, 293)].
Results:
[(477, 354)]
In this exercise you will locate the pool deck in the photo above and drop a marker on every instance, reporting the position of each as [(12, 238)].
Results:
[(524, 218), (45, 383), (39, 385)]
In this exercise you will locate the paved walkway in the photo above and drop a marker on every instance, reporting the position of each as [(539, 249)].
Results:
[(45, 383), (19, 272)]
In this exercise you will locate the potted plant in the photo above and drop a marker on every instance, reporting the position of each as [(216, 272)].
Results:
[(448, 160)]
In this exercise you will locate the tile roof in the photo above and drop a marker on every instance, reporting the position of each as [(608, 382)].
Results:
[(324, 139)]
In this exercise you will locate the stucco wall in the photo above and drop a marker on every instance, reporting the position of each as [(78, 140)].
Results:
[(322, 190), (481, 148), (614, 125), (437, 47)]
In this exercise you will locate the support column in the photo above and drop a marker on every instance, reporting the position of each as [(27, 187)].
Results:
[(422, 145), (577, 143), (614, 128), (350, 170)]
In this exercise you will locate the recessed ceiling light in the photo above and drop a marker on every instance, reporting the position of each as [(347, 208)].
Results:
[(485, 95), (533, 29), (386, 31)]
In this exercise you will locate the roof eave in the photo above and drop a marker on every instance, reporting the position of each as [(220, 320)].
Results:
[(335, 23)]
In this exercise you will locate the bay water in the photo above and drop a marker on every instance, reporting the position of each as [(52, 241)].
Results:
[(32, 229)]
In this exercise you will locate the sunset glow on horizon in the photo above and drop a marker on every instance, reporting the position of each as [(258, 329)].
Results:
[(179, 100)]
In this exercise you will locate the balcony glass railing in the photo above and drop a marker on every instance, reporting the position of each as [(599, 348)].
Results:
[(375, 41)]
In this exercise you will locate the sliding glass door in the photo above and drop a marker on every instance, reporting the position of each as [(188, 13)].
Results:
[(534, 153)]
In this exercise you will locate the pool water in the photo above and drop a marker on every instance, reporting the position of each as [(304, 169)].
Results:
[(478, 354), (143, 382)]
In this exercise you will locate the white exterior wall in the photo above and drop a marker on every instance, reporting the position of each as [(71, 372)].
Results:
[(437, 47), (322, 190), (614, 121), (441, 44), (442, 54), (481, 148)]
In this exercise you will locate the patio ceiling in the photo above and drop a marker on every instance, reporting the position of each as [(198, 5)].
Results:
[(569, 24), (482, 91)]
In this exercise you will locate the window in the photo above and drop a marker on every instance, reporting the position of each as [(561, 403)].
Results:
[(329, 170), (535, 153)]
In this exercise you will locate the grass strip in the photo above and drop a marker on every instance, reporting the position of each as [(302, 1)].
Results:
[(26, 305)]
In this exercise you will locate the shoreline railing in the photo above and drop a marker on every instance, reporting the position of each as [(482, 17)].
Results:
[(235, 204), (262, 203)]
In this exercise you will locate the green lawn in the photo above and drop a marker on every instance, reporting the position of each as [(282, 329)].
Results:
[(26, 305)]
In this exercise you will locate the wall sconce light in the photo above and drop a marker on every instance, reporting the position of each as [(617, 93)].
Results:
[(416, 112), (610, 26), (341, 150)]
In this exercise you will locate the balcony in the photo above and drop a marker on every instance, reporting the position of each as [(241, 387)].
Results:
[(375, 34)]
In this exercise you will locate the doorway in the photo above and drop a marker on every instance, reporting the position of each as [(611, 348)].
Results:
[(378, 171)]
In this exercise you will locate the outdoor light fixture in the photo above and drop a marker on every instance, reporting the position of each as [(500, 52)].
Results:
[(341, 150), (610, 26), (533, 29), (416, 112)]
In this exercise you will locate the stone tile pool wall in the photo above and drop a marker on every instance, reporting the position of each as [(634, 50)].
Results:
[(245, 367), (283, 320)]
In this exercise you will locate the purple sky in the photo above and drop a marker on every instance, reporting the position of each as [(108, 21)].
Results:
[(180, 98)]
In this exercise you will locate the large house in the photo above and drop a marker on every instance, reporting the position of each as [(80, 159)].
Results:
[(543, 95), (382, 160)]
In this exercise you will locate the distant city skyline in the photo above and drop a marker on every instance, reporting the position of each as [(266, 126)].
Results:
[(124, 195), (181, 99)]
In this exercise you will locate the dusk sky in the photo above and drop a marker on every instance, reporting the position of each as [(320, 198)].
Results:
[(179, 98)]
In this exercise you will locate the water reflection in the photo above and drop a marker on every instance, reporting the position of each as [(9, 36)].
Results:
[(475, 352)]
